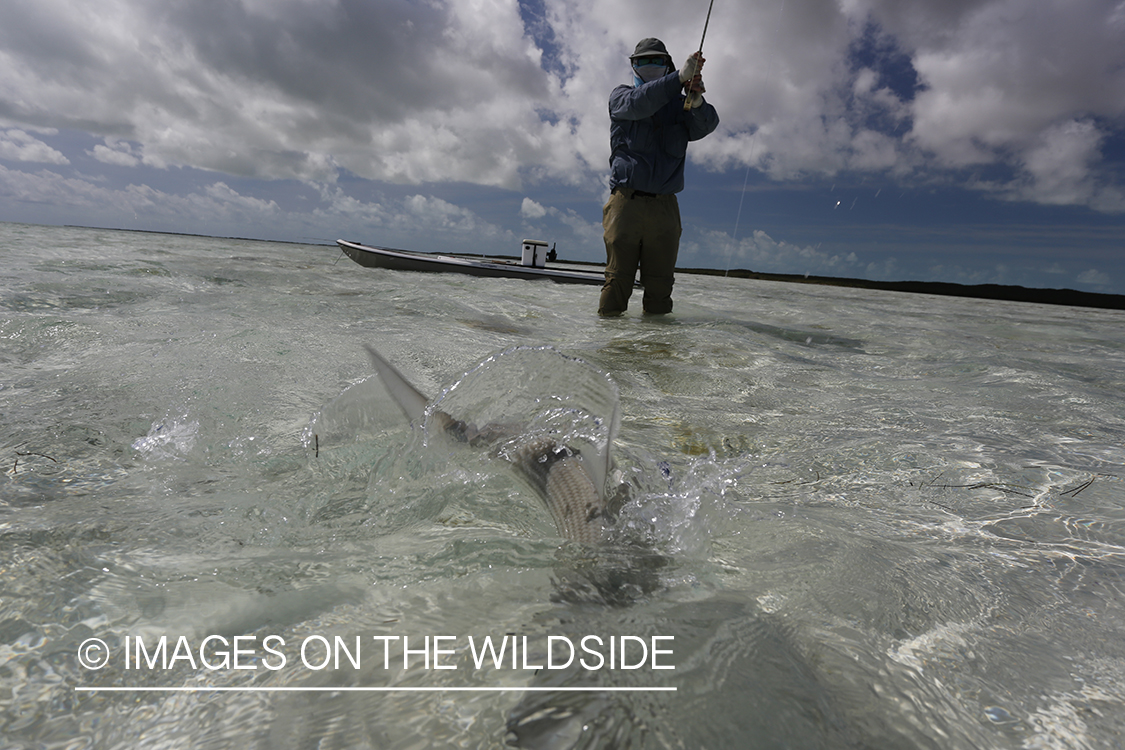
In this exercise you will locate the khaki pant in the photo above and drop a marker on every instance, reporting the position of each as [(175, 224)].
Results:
[(642, 231)]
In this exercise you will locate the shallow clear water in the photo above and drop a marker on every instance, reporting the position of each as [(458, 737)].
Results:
[(880, 520)]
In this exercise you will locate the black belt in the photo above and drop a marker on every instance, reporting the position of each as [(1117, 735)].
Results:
[(638, 193)]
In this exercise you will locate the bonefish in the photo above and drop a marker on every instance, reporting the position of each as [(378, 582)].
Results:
[(571, 484)]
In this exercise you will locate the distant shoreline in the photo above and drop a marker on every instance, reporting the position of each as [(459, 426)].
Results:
[(1000, 292)]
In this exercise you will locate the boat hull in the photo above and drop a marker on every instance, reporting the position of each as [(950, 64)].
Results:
[(404, 260)]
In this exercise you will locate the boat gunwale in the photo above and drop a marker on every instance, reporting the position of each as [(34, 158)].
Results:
[(439, 262)]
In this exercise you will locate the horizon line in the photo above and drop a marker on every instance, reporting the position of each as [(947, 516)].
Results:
[(355, 689)]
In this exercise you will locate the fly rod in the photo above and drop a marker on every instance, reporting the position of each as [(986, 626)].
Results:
[(687, 99)]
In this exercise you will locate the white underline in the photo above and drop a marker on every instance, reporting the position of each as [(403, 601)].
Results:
[(368, 689)]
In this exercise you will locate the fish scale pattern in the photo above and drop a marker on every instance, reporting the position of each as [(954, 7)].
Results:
[(564, 484)]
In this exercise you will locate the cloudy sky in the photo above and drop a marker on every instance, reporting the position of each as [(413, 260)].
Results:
[(974, 141)]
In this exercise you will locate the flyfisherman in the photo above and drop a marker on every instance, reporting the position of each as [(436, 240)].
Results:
[(650, 125)]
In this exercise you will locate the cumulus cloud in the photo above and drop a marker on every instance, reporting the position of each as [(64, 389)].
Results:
[(586, 233), (762, 253), (217, 200), (17, 145), (286, 89), (412, 215), (1061, 167), (529, 209), (1095, 278), (1025, 274), (222, 193), (439, 215), (115, 152), (1005, 71), (1059, 164), (489, 93)]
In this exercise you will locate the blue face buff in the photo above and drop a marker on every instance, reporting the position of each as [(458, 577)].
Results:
[(648, 73)]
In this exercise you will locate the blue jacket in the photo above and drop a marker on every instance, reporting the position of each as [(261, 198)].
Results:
[(649, 132)]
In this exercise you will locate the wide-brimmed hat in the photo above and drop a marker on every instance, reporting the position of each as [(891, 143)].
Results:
[(649, 48)]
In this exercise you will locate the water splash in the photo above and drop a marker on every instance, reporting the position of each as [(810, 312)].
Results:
[(537, 391), (169, 439)]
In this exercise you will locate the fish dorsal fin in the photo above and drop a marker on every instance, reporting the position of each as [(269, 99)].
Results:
[(537, 391), (600, 468), (581, 410), (408, 398)]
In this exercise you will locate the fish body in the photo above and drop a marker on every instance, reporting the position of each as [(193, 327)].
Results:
[(566, 480), (559, 474)]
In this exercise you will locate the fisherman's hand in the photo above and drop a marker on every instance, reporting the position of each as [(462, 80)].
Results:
[(695, 91), (692, 67)]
